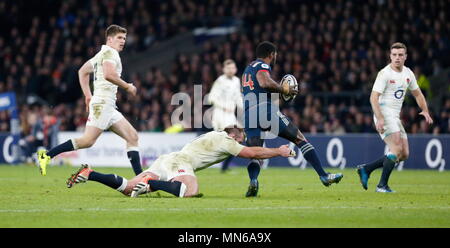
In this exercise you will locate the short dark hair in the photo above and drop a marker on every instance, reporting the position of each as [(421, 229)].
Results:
[(398, 45), (114, 29), (264, 49), (233, 129), (228, 61)]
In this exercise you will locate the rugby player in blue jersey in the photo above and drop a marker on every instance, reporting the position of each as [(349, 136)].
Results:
[(261, 115)]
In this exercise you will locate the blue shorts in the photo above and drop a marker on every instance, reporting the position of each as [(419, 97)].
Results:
[(264, 117)]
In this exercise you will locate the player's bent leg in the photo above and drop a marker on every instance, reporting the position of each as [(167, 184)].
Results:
[(85, 173), (405, 150), (394, 142), (124, 129), (180, 186), (253, 168), (293, 134), (188, 187), (89, 137)]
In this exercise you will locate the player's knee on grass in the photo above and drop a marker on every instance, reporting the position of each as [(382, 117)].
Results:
[(191, 190), (191, 184)]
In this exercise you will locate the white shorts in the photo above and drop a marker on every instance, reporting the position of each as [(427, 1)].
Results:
[(222, 119), (169, 166), (392, 124), (103, 113)]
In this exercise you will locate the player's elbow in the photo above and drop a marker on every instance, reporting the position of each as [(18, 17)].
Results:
[(82, 72), (108, 76)]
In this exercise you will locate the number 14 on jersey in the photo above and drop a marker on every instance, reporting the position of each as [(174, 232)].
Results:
[(247, 81)]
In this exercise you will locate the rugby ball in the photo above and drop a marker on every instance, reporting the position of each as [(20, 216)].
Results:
[(292, 81)]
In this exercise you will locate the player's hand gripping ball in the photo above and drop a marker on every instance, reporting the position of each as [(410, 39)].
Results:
[(291, 81)]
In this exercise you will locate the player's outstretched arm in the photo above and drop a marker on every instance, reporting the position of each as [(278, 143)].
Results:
[(83, 75), (263, 153), (110, 74), (422, 102)]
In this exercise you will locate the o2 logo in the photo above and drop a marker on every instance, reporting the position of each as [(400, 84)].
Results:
[(335, 161), (339, 160), (299, 160), (10, 150), (438, 160), (399, 94)]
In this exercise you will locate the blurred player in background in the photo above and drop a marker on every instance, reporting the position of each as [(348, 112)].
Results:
[(257, 86), (226, 98), (387, 97), (174, 172), (107, 68)]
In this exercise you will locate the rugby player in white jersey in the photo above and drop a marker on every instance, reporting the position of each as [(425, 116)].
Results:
[(107, 68), (387, 97), (174, 172), (226, 98)]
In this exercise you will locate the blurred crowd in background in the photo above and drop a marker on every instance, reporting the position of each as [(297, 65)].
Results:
[(333, 48)]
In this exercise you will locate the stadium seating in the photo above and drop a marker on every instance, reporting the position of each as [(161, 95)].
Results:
[(334, 48)]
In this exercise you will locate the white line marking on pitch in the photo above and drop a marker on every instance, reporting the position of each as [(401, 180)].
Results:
[(206, 209)]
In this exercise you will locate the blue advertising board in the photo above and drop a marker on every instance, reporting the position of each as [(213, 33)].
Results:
[(350, 150), (10, 151)]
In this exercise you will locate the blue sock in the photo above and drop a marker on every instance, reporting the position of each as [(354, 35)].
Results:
[(64, 147), (169, 187), (253, 169), (110, 180), (388, 166), (135, 161), (369, 167), (309, 153)]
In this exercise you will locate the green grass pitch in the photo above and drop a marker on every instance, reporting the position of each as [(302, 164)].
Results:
[(288, 197)]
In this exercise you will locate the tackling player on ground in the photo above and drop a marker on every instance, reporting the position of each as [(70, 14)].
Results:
[(386, 99), (258, 107), (107, 68), (226, 98), (174, 172)]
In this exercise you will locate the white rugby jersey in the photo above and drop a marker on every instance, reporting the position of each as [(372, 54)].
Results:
[(102, 87), (393, 85), (207, 149), (226, 93)]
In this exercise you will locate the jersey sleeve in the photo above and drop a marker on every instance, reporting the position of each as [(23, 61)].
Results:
[(108, 55), (230, 146), (380, 82), (92, 61), (413, 83), (263, 67), (213, 94)]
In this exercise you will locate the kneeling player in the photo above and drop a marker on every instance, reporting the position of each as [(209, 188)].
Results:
[(174, 172)]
